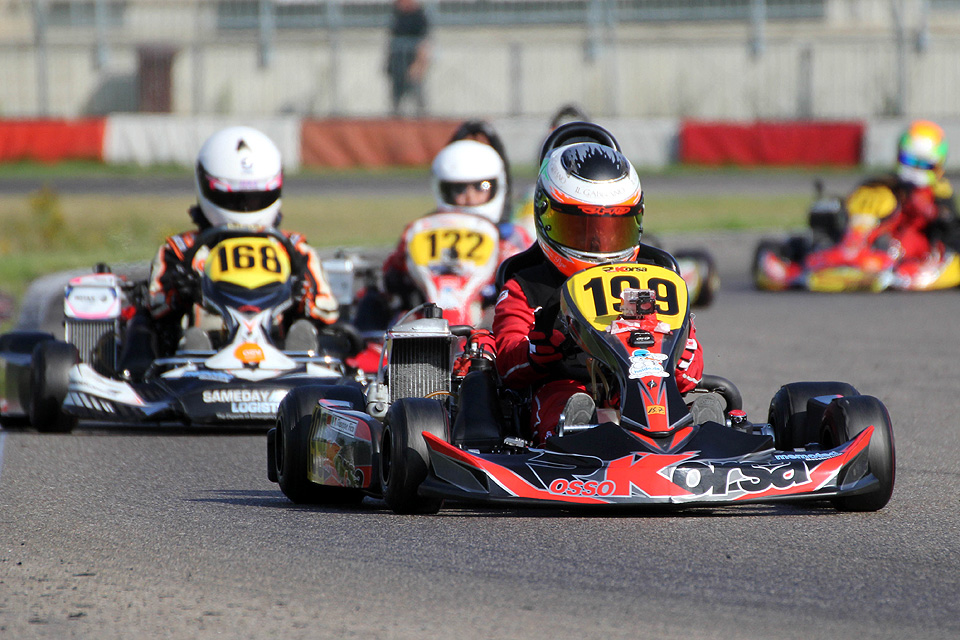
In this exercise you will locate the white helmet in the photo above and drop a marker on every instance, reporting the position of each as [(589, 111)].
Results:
[(470, 165), (238, 178)]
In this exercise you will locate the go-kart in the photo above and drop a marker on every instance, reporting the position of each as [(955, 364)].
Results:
[(849, 248), (233, 365), (423, 432), (451, 260)]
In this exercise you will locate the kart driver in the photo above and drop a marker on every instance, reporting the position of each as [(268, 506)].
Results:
[(468, 176), (928, 213), (573, 232), (238, 179)]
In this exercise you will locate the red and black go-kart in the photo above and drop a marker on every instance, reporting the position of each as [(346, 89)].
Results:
[(423, 433)]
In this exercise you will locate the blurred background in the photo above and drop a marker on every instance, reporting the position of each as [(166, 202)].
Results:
[(511, 61), (729, 59)]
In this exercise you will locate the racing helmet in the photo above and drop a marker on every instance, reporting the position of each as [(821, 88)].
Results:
[(470, 176), (239, 175), (921, 154), (588, 204)]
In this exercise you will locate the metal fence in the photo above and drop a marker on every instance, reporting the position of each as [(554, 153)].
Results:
[(724, 59)]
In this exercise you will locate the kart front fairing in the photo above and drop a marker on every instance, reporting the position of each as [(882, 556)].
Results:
[(607, 465), (247, 282), (192, 395), (243, 381)]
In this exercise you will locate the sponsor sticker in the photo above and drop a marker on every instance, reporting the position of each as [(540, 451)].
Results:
[(644, 363), (346, 426), (249, 353), (246, 401)]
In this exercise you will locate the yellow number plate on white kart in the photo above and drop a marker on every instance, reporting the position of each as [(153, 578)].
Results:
[(458, 236), (248, 262), (596, 291)]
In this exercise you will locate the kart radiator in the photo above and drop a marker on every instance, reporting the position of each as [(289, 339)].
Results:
[(419, 366), (93, 339)]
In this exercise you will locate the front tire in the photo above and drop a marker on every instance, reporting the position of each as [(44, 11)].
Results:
[(765, 247), (788, 411), (51, 364), (844, 420), (404, 458), (292, 446)]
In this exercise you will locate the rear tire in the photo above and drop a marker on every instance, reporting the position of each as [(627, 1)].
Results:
[(709, 276), (49, 378), (404, 458), (788, 411), (844, 420)]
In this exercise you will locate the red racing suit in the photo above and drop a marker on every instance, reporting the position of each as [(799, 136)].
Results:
[(927, 216), (168, 302), (530, 289)]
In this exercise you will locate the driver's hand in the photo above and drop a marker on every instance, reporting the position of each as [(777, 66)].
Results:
[(545, 349), (187, 282)]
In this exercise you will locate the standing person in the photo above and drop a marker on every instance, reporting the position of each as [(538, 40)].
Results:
[(408, 54)]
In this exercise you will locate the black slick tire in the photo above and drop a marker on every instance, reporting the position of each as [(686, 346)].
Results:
[(292, 446), (404, 458), (49, 377), (844, 420)]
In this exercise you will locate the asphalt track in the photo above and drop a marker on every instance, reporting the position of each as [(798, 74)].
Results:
[(117, 532)]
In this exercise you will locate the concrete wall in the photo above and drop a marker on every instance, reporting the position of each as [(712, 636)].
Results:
[(849, 65)]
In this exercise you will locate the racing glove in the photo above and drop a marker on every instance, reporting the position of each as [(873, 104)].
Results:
[(186, 284), (545, 349)]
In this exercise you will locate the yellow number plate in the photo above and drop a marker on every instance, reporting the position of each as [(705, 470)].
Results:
[(248, 262), (596, 291), (877, 201), (433, 245)]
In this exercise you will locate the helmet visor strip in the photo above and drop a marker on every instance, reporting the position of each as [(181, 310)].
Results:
[(591, 228), (451, 191), (910, 160), (240, 196)]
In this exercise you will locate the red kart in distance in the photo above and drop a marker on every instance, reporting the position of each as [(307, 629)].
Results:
[(850, 247)]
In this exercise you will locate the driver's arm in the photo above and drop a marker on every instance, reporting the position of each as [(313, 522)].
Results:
[(690, 366), (166, 290), (317, 300), (512, 321)]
